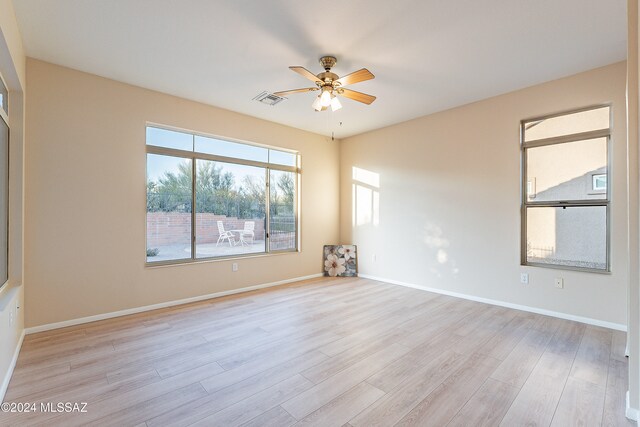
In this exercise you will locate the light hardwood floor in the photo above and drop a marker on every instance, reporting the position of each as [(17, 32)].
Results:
[(328, 352)]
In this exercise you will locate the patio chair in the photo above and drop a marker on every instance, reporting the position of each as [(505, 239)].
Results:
[(248, 232), (225, 235)]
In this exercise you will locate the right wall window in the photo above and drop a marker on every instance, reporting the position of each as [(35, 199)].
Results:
[(565, 190)]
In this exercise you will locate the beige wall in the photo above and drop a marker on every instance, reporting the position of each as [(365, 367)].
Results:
[(12, 68), (446, 210), (12, 44), (85, 164)]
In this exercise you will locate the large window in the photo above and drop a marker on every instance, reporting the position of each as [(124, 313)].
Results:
[(565, 190), (211, 198)]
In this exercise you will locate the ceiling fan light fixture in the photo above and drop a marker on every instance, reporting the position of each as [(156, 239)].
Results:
[(335, 103), (316, 104), (325, 97), (330, 85)]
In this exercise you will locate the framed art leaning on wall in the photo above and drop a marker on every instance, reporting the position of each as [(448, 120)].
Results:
[(340, 261)]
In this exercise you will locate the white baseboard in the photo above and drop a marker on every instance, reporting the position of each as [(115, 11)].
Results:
[(12, 365), (113, 314), (587, 320), (632, 413)]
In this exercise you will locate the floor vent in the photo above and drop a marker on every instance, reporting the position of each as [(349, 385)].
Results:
[(269, 98)]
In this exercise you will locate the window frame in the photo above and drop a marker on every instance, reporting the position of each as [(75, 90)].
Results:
[(526, 204), (4, 116), (194, 156)]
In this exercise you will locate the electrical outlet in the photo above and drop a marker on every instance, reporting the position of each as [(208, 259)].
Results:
[(11, 317), (524, 278), (559, 282), (234, 266)]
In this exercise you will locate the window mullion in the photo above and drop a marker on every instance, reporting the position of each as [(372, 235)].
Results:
[(582, 136), (212, 157), (193, 208), (562, 204), (267, 214)]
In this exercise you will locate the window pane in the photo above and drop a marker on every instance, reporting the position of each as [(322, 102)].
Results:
[(230, 209), (573, 236), (4, 201), (282, 221), (236, 150), (169, 139), (4, 97), (168, 208), (566, 171), (567, 124), (282, 158)]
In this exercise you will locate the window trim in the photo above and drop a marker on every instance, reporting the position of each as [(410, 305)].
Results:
[(5, 114), (194, 156), (525, 203)]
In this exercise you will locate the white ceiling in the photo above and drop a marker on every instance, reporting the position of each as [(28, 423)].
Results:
[(427, 55)]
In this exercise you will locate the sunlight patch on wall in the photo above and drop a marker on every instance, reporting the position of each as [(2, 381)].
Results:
[(434, 239), (372, 179), (366, 197)]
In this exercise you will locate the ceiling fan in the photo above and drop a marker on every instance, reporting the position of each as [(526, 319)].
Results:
[(331, 85)]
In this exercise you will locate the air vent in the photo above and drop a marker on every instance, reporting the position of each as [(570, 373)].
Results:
[(269, 98)]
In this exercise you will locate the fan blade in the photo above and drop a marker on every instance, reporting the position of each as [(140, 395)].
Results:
[(357, 96), (288, 92), (355, 77), (306, 74)]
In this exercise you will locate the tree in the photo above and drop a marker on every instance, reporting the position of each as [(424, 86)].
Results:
[(214, 189), (287, 186), (153, 197), (282, 194), (173, 191), (252, 197), (216, 192)]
